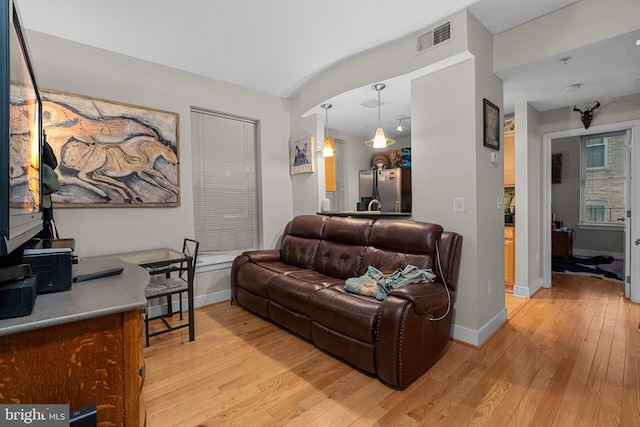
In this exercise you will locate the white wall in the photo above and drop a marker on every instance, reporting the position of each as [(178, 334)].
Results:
[(66, 66), (70, 67), (528, 165)]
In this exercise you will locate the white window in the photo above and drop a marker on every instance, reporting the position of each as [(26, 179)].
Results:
[(603, 177), (596, 152), (225, 191)]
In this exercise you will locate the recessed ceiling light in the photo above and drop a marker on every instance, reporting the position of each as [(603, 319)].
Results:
[(638, 42), (572, 88)]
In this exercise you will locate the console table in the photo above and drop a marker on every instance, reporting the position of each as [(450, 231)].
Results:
[(81, 347), (562, 243)]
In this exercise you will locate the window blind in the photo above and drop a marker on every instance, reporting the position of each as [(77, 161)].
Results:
[(224, 181)]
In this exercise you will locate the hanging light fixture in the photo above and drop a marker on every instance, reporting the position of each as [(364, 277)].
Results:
[(327, 150), (379, 140), (399, 128)]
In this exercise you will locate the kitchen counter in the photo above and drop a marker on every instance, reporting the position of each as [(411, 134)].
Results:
[(368, 214), (85, 300)]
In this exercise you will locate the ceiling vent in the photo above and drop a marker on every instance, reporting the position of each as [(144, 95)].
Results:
[(434, 37), (372, 103)]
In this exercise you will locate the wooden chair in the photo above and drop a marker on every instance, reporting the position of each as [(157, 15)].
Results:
[(167, 281)]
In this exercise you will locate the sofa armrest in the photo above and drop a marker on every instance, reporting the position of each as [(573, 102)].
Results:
[(410, 339), (427, 298), (263, 255)]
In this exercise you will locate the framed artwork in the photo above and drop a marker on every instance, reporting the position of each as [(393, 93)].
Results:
[(556, 168), (111, 154), (301, 156), (491, 125)]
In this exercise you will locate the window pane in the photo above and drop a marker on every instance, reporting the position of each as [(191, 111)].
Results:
[(595, 156), (603, 185)]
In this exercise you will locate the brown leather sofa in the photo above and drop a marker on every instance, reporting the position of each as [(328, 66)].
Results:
[(301, 287)]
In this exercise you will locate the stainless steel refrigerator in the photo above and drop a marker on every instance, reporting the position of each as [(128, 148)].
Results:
[(391, 187)]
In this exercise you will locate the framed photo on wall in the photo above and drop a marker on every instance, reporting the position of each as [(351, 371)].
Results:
[(491, 124), (301, 156)]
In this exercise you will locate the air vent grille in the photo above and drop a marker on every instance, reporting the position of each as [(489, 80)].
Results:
[(442, 34), (434, 37)]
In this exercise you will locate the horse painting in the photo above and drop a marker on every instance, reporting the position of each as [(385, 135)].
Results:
[(112, 154)]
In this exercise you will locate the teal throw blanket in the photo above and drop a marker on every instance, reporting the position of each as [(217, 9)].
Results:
[(377, 284)]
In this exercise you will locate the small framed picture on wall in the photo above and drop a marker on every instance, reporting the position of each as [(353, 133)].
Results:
[(301, 156), (491, 122)]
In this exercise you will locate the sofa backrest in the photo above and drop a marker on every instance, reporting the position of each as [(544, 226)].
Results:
[(394, 244), (300, 241), (344, 247)]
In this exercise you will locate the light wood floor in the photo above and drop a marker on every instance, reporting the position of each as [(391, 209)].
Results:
[(570, 356)]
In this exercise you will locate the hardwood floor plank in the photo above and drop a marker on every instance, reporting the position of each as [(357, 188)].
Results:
[(630, 402), (568, 356)]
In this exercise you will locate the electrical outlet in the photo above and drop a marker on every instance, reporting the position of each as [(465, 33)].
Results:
[(490, 287), (500, 204), (458, 204)]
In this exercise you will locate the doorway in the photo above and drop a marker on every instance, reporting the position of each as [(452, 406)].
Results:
[(589, 176), (632, 200)]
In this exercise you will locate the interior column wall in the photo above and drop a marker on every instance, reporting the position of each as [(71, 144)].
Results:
[(528, 158), (449, 161)]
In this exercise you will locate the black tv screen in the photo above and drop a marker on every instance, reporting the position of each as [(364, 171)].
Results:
[(21, 137)]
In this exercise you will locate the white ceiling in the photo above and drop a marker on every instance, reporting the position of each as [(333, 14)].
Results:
[(278, 46)]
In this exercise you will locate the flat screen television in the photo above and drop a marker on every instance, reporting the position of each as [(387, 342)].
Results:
[(21, 136)]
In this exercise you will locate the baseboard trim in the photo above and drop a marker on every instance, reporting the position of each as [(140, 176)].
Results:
[(527, 291), (477, 338)]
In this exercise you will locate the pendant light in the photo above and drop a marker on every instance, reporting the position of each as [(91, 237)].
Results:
[(327, 150), (379, 140)]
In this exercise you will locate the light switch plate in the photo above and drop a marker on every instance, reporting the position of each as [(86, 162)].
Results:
[(458, 205)]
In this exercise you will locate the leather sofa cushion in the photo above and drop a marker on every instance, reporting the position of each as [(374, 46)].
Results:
[(354, 231), (315, 277), (338, 259), (348, 314), (405, 236), (299, 251), (292, 293), (255, 279), (308, 226), (389, 261)]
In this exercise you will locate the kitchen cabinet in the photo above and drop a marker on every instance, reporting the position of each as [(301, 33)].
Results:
[(509, 157), (509, 257)]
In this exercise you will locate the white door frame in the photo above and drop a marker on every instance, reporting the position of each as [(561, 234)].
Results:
[(633, 289)]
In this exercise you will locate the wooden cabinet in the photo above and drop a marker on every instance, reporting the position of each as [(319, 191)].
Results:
[(562, 243), (93, 361), (509, 257), (134, 368), (81, 347), (509, 158)]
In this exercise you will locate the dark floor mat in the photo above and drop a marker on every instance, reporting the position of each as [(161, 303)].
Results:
[(578, 264)]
